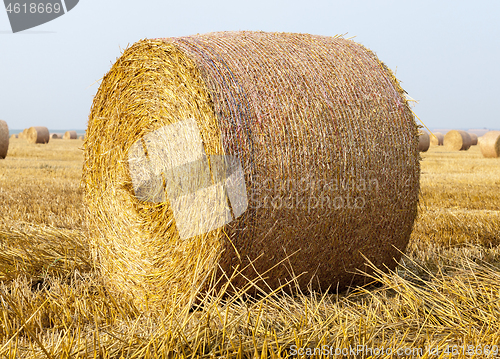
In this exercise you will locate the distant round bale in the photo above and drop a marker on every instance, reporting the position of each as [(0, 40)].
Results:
[(473, 139), (56, 136), (23, 135), (423, 142), (80, 138), (457, 140), (490, 144), (70, 135), (436, 139), (4, 139), (13, 136), (38, 134), (248, 151)]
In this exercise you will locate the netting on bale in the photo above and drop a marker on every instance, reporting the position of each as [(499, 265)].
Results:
[(265, 154), (4, 139)]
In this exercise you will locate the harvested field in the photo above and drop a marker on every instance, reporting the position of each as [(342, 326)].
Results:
[(444, 291)]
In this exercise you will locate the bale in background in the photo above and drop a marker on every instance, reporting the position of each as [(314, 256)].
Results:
[(13, 136), (473, 139), (23, 135), (490, 144), (55, 136), (423, 142), (38, 134), (457, 140), (69, 135), (80, 138), (273, 165), (4, 139), (436, 139)]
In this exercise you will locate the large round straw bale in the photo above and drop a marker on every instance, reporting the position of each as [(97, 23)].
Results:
[(423, 142), (70, 135), (490, 144), (262, 152), (55, 136), (473, 139), (457, 140), (38, 134), (4, 139), (436, 138)]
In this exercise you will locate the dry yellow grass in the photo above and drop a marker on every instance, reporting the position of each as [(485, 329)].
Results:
[(53, 303)]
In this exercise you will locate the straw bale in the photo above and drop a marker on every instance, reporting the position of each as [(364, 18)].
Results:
[(436, 139), (490, 144), (38, 134), (56, 136), (262, 152), (13, 136), (70, 135), (4, 139), (424, 142), (23, 134), (457, 140), (80, 138), (473, 139)]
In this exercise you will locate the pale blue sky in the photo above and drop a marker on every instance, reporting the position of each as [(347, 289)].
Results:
[(446, 53)]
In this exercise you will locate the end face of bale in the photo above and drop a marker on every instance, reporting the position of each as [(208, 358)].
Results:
[(423, 142), (490, 144), (169, 110), (4, 139), (38, 134), (70, 135), (457, 140)]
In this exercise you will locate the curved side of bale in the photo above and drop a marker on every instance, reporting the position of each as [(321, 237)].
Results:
[(70, 135), (490, 144), (38, 134), (336, 201), (4, 139), (473, 139), (436, 139), (457, 140), (423, 142)]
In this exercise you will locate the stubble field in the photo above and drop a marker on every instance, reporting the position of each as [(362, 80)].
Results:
[(444, 295)]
